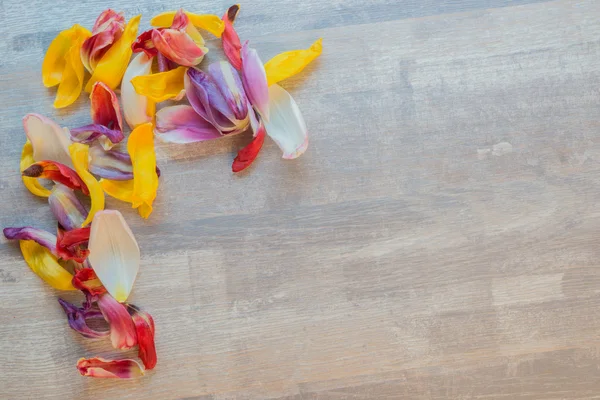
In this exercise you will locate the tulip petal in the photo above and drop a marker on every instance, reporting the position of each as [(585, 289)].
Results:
[(110, 164), (40, 236), (44, 264), (77, 318), (49, 141), (57, 172), (120, 190), (86, 280), (108, 28), (71, 83), (225, 76), (89, 133), (161, 86), (55, 59), (66, 207), (178, 46), (247, 155), (181, 124), (100, 368), (254, 79), (140, 147), (208, 22), (80, 156), (114, 253), (113, 64), (144, 327), (286, 125), (31, 184), (122, 329), (70, 245), (290, 63), (230, 39), (138, 109)]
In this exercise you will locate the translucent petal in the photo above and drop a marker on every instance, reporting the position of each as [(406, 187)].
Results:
[(254, 79), (49, 141), (114, 253), (138, 109), (290, 63)]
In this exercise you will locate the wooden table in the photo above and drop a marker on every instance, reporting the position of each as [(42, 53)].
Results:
[(439, 239)]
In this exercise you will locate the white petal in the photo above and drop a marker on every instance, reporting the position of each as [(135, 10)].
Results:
[(134, 105), (114, 253), (49, 141), (286, 125)]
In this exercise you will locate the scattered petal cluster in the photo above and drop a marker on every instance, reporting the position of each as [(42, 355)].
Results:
[(93, 251)]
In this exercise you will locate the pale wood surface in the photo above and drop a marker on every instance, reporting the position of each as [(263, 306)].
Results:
[(439, 239)]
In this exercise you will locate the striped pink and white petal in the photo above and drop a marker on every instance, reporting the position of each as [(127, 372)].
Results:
[(101, 368), (254, 79)]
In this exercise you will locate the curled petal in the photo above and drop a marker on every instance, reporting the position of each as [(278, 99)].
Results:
[(62, 65), (144, 327), (120, 190), (138, 109), (110, 164), (230, 39), (208, 22), (144, 43), (105, 112), (114, 253), (40, 236), (66, 207), (86, 280), (161, 86), (181, 124), (49, 141), (286, 125), (80, 157), (44, 264), (255, 81), (108, 28), (89, 133), (70, 245), (100, 368), (178, 46), (31, 184), (122, 329), (247, 155), (140, 147), (78, 320), (112, 65), (290, 63), (231, 87), (57, 172)]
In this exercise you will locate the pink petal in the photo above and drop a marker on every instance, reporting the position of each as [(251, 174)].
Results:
[(101, 368), (181, 124), (254, 78), (108, 29), (178, 46), (105, 110), (122, 329), (230, 38)]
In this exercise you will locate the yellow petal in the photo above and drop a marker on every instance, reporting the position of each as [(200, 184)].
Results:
[(32, 184), (71, 83), (145, 180), (80, 157), (120, 190), (113, 64), (208, 22), (54, 60), (161, 86), (44, 264), (288, 64)]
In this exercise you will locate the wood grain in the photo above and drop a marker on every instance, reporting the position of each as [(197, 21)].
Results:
[(439, 239)]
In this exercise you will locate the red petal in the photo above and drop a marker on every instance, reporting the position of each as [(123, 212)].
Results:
[(122, 329), (144, 327), (86, 280), (247, 155), (57, 172), (100, 368), (69, 244), (144, 43), (230, 38), (105, 108)]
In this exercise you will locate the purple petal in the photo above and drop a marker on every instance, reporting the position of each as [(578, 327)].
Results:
[(77, 320), (66, 207), (229, 83), (110, 164), (40, 236), (254, 79), (181, 124), (88, 133)]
